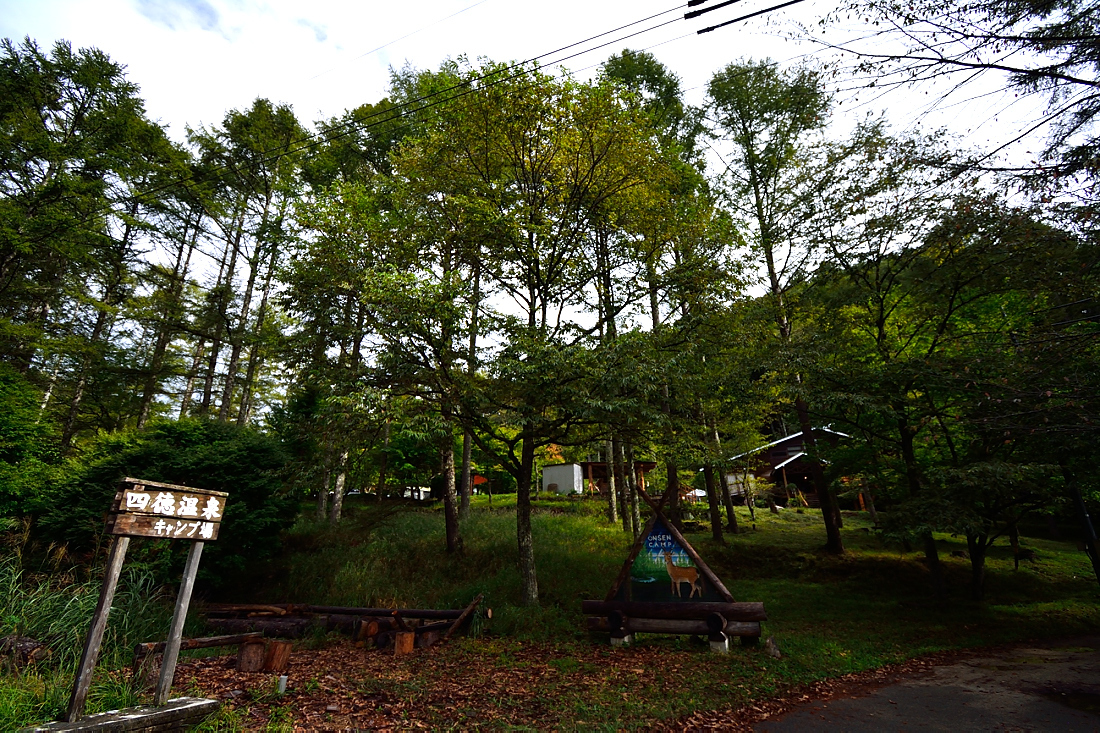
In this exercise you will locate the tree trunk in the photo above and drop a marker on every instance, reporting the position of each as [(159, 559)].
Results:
[(727, 499), (69, 429), (467, 477), (712, 503), (222, 290), (471, 369), (830, 511), (192, 374), (870, 500), (635, 482), (338, 489), (523, 525), (620, 482), (169, 328), (383, 463), (976, 545), (1092, 547), (672, 511), (322, 495), (908, 455), (450, 507), (612, 500)]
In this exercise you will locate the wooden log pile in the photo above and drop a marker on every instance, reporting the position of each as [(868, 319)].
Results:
[(376, 626)]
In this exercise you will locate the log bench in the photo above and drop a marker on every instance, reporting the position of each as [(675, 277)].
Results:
[(718, 620), (253, 654), (377, 626)]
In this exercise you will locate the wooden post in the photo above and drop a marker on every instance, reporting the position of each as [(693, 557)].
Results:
[(83, 680), (175, 632)]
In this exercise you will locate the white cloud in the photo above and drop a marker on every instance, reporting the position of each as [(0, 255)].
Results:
[(320, 32), (180, 14)]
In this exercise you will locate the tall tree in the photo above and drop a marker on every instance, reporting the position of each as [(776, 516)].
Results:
[(1045, 49), (771, 117)]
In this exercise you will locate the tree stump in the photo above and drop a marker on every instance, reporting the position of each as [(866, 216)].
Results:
[(404, 642), (426, 639), (250, 657), (277, 656)]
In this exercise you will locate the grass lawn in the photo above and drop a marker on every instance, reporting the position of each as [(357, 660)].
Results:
[(537, 668)]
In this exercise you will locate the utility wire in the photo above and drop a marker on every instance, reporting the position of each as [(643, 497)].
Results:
[(697, 13), (407, 35), (750, 15)]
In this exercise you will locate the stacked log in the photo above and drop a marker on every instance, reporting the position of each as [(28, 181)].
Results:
[(718, 621), (377, 626)]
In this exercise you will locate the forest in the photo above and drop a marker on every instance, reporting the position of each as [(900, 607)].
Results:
[(493, 268)]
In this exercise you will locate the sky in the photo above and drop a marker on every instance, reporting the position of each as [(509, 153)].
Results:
[(196, 59)]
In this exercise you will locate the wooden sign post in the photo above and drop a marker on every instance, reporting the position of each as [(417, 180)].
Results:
[(150, 509)]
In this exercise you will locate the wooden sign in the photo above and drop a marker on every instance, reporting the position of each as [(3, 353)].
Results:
[(664, 568), (150, 509), (153, 509)]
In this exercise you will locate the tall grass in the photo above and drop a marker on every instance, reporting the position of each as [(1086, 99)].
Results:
[(381, 558), (57, 611)]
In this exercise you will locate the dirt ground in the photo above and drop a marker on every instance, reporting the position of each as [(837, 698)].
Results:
[(1031, 687)]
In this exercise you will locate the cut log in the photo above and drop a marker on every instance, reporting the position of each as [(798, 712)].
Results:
[(286, 628), (427, 638), (277, 656), (250, 657), (465, 615), (404, 642), (685, 610), (673, 626), (202, 642), (368, 629)]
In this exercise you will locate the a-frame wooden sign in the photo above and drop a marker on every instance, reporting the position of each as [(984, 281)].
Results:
[(151, 509), (666, 587)]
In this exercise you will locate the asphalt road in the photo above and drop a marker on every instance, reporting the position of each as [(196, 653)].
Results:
[(1036, 687)]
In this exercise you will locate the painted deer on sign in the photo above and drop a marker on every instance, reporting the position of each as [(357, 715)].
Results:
[(682, 575)]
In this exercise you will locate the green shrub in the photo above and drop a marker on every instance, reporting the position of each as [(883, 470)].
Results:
[(23, 439), (200, 453)]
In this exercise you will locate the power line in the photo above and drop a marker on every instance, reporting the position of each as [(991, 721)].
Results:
[(407, 35), (697, 13), (750, 15)]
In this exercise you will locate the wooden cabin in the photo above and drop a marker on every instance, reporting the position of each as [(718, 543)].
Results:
[(595, 474), (784, 463)]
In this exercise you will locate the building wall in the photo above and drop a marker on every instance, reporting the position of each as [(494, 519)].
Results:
[(567, 476)]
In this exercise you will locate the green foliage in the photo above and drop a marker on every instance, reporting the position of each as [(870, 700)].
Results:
[(23, 440), (56, 610), (200, 453)]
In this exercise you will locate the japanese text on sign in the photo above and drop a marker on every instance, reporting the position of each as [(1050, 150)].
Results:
[(153, 509), (171, 505)]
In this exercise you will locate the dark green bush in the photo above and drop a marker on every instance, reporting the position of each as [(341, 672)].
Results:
[(23, 439), (203, 454)]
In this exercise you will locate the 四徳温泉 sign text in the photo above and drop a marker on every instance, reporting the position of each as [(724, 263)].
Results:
[(152, 509)]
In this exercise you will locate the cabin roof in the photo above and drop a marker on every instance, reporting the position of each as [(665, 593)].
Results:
[(784, 440)]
